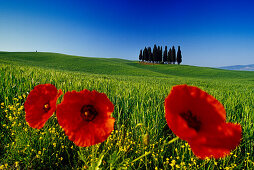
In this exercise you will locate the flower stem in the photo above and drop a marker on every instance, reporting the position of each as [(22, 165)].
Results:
[(146, 153), (172, 140)]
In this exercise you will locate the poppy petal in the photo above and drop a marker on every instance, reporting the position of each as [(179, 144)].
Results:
[(41, 104), (92, 133), (203, 107), (200, 119), (85, 117), (228, 137)]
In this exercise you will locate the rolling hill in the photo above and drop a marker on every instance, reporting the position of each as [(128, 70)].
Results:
[(113, 66)]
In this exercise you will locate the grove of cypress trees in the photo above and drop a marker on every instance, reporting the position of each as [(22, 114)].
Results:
[(179, 56), (159, 56)]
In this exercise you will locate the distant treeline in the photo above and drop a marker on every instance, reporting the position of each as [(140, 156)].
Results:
[(159, 56)]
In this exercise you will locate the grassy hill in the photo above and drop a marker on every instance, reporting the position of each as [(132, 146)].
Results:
[(137, 92), (112, 66)]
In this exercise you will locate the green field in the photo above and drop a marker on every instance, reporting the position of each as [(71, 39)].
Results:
[(137, 92)]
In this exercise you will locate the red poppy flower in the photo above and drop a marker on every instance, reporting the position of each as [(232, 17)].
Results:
[(85, 117), (41, 104), (200, 119)]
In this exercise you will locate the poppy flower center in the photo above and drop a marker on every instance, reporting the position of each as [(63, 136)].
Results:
[(88, 112), (191, 120), (46, 107)]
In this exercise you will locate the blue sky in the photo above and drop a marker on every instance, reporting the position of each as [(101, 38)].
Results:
[(210, 33)]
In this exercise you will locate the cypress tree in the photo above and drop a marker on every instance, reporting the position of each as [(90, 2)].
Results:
[(145, 53), (140, 55), (159, 54), (170, 56), (179, 56), (165, 55), (150, 55), (155, 53), (173, 55)]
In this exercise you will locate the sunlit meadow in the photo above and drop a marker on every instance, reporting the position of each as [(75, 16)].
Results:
[(140, 126)]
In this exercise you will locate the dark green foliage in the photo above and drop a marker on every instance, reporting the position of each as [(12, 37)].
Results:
[(145, 53), (160, 56), (141, 56), (155, 53), (170, 59), (165, 55), (173, 55), (179, 56), (150, 54), (161, 53)]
